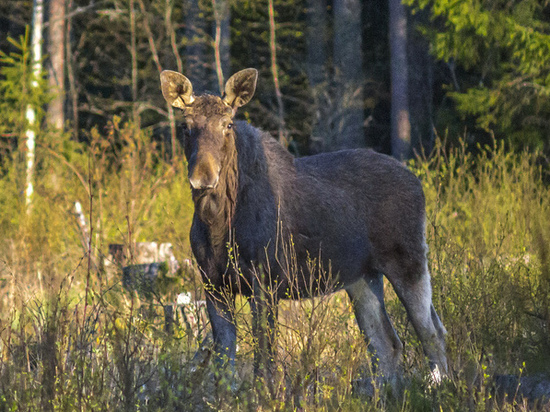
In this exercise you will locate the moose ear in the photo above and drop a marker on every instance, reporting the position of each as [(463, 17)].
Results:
[(240, 88), (176, 89)]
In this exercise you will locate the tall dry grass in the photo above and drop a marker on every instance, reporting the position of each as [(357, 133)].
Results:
[(71, 338)]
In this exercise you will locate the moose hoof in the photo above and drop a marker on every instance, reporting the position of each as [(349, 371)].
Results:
[(436, 377)]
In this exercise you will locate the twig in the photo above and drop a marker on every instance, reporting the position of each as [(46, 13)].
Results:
[(133, 53), (150, 38), (171, 33)]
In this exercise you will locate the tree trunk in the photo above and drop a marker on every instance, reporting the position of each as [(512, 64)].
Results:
[(420, 64), (71, 77), (56, 70), (195, 50), (36, 50), (171, 34), (348, 75), (275, 75), (133, 54), (400, 123), (316, 40), (222, 16)]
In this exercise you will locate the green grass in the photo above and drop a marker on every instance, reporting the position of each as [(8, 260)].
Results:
[(72, 339)]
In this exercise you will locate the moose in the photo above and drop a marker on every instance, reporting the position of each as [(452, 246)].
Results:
[(357, 213)]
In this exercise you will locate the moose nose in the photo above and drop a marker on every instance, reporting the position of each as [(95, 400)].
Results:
[(199, 183), (205, 174)]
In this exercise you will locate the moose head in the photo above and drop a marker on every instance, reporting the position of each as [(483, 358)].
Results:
[(209, 133)]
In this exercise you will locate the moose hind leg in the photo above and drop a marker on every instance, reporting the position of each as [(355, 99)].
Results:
[(415, 293), (367, 297)]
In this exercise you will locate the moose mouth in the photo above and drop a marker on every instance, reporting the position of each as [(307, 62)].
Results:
[(202, 191)]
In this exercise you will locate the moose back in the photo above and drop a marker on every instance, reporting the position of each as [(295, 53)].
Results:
[(262, 217)]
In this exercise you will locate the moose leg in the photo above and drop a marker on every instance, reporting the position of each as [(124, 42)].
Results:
[(223, 330), (264, 316), (416, 294), (367, 297)]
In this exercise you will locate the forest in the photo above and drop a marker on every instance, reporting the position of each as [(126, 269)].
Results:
[(92, 171)]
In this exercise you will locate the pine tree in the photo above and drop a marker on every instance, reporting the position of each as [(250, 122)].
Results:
[(503, 50)]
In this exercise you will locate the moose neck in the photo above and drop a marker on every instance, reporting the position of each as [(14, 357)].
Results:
[(216, 207)]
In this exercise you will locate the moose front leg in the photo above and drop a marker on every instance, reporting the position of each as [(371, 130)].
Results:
[(264, 306), (223, 330), (263, 325)]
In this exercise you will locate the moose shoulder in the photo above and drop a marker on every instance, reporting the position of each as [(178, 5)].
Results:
[(357, 214)]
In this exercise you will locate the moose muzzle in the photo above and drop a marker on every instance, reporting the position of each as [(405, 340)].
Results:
[(204, 173)]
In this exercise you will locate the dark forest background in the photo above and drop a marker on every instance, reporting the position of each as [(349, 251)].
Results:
[(459, 69)]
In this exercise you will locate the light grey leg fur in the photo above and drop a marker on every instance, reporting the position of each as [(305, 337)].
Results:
[(367, 297), (416, 296)]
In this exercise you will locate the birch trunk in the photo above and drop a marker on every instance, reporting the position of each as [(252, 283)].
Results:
[(36, 49)]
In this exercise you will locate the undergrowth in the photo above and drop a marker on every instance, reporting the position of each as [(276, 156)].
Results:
[(72, 338)]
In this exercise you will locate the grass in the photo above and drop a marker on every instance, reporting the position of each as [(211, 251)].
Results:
[(72, 339)]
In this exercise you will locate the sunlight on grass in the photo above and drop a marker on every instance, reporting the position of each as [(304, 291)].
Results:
[(71, 338)]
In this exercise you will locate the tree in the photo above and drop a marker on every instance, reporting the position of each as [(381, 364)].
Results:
[(348, 75), (195, 50), (400, 123), (275, 74), (56, 68), (503, 53), (222, 16), (421, 84), (16, 93), (317, 70), (33, 124)]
